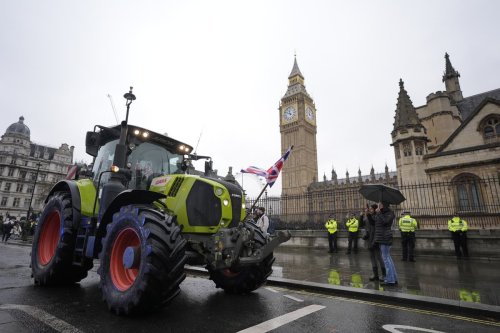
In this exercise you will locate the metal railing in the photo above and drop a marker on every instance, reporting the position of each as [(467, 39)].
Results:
[(432, 204)]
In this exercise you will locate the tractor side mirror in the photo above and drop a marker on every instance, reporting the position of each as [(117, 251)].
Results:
[(92, 143)]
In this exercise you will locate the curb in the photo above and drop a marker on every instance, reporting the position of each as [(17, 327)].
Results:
[(387, 296)]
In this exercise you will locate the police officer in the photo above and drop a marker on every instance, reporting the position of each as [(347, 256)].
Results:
[(331, 226), (352, 224), (407, 227), (458, 229)]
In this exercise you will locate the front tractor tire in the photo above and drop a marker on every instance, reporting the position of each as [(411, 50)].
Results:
[(54, 244), (244, 279), (142, 260)]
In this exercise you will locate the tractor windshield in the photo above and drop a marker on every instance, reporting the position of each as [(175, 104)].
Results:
[(147, 161)]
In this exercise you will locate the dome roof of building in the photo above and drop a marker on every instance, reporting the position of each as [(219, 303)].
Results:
[(19, 128)]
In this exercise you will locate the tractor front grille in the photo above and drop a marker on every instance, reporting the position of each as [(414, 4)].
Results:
[(203, 207)]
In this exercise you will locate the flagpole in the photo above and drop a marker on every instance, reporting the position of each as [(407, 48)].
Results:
[(255, 202)]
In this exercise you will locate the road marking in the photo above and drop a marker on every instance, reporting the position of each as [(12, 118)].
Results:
[(294, 298), (282, 320), (271, 289), (395, 329), (397, 307), (46, 318)]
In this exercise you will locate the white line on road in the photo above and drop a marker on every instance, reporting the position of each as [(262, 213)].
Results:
[(271, 289), (294, 298), (282, 320), (46, 318)]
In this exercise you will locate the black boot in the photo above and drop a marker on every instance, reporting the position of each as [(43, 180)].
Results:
[(383, 273), (374, 277)]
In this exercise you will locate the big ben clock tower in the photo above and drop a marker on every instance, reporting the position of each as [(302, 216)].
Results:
[(297, 114)]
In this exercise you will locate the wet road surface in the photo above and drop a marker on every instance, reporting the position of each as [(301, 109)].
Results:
[(201, 307)]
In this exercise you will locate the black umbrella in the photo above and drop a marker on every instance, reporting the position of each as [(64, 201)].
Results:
[(381, 192)]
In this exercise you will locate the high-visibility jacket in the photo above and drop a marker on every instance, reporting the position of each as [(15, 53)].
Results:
[(407, 224), (352, 224), (457, 224), (331, 226)]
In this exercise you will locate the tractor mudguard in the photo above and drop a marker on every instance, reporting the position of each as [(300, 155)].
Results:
[(127, 197), (82, 194), (71, 187)]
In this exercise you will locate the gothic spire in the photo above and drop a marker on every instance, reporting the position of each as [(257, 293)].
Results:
[(405, 111), (296, 81), (449, 72), (334, 176), (295, 70)]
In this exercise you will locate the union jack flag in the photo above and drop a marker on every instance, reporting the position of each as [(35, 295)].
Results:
[(273, 172), (255, 170)]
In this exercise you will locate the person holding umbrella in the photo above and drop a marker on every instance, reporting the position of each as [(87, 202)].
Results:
[(384, 218)]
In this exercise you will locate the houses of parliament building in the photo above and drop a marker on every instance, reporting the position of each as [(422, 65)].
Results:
[(447, 155)]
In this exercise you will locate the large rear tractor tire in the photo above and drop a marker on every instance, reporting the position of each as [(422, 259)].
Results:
[(142, 260), (54, 244), (244, 279)]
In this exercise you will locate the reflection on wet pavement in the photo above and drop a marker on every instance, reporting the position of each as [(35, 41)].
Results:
[(444, 277)]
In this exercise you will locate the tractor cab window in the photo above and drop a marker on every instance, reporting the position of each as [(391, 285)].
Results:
[(104, 161), (148, 161)]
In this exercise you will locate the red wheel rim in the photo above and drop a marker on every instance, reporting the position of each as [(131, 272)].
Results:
[(122, 277), (49, 237)]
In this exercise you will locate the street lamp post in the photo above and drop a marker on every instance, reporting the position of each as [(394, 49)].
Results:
[(33, 192)]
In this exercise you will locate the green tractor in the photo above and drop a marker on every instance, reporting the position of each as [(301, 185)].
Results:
[(144, 217)]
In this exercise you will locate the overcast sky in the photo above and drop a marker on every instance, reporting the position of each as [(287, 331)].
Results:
[(220, 68)]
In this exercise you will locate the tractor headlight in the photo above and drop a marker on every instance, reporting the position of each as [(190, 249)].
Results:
[(218, 191), (225, 202)]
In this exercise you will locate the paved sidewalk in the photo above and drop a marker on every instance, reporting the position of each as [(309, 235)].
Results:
[(473, 280)]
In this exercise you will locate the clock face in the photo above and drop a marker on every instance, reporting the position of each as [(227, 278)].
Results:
[(309, 114), (289, 113)]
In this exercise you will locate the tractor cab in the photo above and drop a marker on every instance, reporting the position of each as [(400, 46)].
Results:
[(148, 155)]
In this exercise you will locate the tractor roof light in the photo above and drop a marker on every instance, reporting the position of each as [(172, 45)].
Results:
[(115, 168), (145, 134), (185, 149), (137, 132)]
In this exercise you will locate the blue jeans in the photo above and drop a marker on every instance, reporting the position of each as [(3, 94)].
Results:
[(390, 270)]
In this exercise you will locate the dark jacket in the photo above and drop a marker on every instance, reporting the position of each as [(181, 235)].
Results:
[(370, 231), (383, 224)]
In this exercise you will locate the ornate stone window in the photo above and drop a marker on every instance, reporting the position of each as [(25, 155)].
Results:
[(397, 152), (468, 192), (490, 128), (419, 148), (406, 149)]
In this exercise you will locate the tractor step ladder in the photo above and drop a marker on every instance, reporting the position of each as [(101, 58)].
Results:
[(80, 244)]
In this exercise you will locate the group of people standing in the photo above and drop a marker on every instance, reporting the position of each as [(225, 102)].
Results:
[(11, 228), (377, 220)]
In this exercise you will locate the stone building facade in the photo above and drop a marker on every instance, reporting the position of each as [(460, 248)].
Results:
[(451, 139), (28, 171)]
